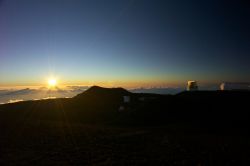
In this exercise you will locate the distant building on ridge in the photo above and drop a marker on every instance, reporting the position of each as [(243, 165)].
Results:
[(235, 86), (192, 86)]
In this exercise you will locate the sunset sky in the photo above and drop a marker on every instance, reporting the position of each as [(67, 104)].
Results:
[(123, 42)]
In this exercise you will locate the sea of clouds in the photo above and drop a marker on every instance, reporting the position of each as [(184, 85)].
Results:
[(23, 94), (16, 95)]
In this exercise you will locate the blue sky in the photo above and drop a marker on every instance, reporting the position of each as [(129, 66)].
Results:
[(123, 41)]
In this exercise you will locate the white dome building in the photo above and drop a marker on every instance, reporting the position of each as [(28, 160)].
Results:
[(192, 86)]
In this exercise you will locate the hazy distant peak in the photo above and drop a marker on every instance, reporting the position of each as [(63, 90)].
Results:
[(101, 91), (98, 89)]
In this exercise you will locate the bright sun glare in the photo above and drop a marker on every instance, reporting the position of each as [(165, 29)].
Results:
[(52, 82)]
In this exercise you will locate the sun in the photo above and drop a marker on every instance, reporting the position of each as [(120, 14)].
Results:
[(52, 83)]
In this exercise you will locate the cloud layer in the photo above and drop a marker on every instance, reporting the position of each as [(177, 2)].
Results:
[(16, 95)]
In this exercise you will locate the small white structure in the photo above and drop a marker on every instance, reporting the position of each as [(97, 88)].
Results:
[(126, 99), (235, 86), (192, 86)]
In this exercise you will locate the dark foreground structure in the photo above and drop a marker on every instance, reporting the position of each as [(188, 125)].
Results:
[(190, 128)]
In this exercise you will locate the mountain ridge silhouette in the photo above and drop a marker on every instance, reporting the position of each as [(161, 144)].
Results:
[(101, 91)]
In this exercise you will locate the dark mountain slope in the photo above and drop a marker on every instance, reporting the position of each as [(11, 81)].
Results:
[(102, 92), (191, 128), (98, 96), (94, 105), (100, 105)]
